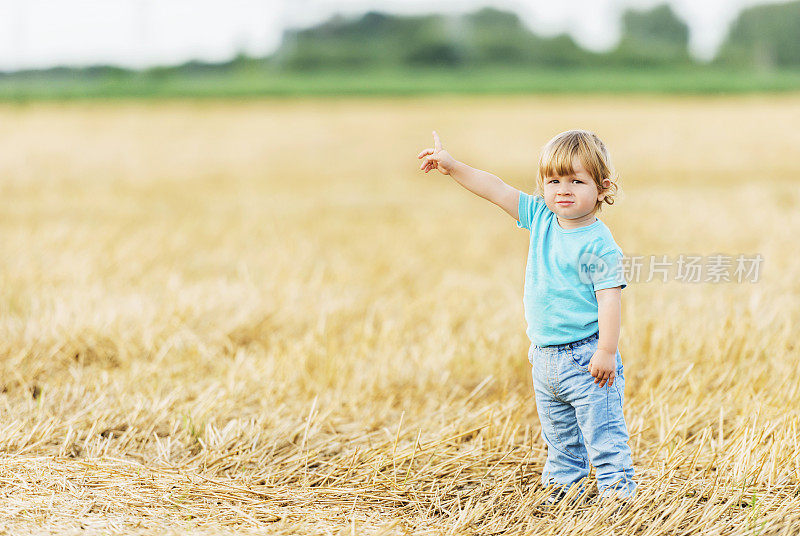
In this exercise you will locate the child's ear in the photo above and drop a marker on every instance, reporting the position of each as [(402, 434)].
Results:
[(606, 185)]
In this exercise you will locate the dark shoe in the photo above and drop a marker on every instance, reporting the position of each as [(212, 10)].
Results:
[(559, 494), (555, 497)]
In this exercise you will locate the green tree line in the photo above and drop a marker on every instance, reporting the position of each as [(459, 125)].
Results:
[(765, 37)]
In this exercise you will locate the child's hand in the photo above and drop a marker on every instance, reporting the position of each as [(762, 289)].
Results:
[(439, 159), (602, 366)]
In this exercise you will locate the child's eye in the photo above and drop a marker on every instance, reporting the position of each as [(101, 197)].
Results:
[(578, 181)]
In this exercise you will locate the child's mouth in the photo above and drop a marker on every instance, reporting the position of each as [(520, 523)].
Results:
[(564, 202)]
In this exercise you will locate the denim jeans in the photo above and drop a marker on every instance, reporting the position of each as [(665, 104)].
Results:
[(581, 421)]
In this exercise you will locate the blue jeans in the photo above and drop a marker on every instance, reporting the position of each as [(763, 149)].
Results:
[(581, 421)]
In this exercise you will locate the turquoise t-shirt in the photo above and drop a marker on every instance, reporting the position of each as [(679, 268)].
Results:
[(565, 268)]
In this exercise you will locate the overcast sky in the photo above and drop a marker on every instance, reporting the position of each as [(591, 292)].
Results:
[(137, 33)]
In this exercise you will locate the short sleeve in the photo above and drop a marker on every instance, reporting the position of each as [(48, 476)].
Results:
[(528, 207), (604, 270), (609, 271)]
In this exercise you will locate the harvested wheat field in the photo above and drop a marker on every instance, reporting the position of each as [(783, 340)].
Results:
[(262, 318)]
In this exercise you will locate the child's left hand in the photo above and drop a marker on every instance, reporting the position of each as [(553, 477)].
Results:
[(602, 366)]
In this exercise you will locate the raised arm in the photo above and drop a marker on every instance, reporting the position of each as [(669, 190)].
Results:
[(479, 182), (488, 186)]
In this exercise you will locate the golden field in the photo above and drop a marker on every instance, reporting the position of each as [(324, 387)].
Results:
[(262, 317)]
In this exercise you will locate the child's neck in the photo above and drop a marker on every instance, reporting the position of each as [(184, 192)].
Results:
[(583, 221)]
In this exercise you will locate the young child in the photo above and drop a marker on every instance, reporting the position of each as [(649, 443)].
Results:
[(572, 301)]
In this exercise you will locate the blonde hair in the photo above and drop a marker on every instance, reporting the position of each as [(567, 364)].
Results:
[(555, 160)]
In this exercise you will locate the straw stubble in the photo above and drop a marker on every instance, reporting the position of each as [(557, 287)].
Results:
[(236, 317)]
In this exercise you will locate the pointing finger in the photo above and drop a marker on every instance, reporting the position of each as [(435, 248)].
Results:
[(423, 153), (437, 143)]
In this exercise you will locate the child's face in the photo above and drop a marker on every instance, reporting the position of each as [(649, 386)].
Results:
[(573, 196)]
